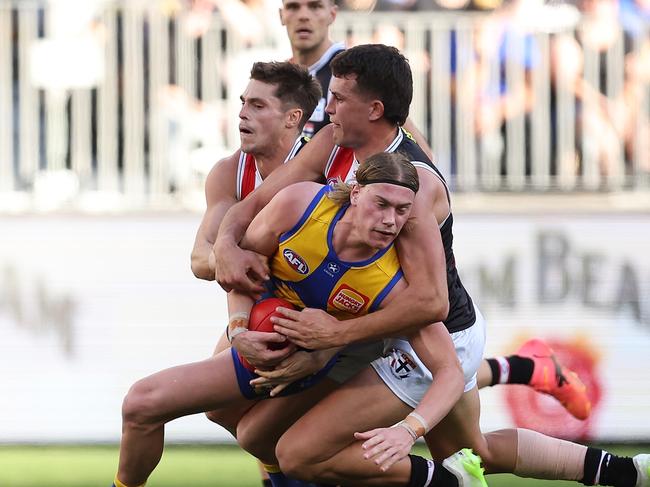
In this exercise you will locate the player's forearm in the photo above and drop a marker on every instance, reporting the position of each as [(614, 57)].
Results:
[(442, 395), (435, 348), (324, 356), (239, 309), (234, 224), (411, 310)]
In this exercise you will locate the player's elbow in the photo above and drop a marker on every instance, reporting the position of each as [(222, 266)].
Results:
[(431, 304), (200, 267)]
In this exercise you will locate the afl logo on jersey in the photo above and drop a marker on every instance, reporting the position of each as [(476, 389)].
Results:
[(347, 299), (296, 262)]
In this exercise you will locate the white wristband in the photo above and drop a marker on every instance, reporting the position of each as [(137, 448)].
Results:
[(238, 330), (242, 315), (420, 419), (231, 333)]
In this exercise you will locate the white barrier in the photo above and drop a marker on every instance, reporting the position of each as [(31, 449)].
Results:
[(137, 106), (88, 306)]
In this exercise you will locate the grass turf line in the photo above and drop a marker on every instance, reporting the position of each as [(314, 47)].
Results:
[(181, 466)]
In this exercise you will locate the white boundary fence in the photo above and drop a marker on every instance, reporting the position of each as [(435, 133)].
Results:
[(90, 304), (133, 108)]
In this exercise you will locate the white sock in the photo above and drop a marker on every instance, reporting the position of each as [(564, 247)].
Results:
[(432, 467), (602, 457), (504, 370)]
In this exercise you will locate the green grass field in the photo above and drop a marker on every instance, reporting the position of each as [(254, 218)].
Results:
[(181, 466)]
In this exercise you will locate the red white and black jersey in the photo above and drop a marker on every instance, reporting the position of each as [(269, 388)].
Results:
[(323, 73), (343, 164), (248, 175)]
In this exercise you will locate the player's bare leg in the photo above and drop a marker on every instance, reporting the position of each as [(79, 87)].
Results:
[(500, 448), (312, 452), (229, 417), (527, 453), (330, 454), (167, 395), (262, 426)]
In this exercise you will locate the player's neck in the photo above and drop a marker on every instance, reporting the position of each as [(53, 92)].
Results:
[(308, 57), (347, 243), (376, 141), (272, 158)]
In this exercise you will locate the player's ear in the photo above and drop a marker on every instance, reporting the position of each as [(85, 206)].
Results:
[(293, 117), (333, 11), (375, 110), (280, 13), (354, 194)]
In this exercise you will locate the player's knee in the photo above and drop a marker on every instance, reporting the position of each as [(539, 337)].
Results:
[(491, 450), (293, 459), (142, 404), (223, 419), (214, 416), (255, 442)]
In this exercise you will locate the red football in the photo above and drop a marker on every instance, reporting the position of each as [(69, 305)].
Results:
[(260, 320)]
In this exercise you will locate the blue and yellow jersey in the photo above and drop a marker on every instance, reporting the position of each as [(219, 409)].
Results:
[(307, 272)]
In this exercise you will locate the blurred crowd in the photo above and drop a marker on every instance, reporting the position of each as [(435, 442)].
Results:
[(610, 96)]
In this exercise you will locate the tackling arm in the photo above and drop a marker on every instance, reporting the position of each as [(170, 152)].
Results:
[(435, 348), (233, 267), (219, 197)]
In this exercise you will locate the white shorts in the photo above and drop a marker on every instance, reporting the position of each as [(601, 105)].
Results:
[(403, 372)]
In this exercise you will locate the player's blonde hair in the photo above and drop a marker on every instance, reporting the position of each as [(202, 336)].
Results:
[(384, 167)]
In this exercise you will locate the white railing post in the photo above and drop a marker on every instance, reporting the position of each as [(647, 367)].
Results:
[(81, 156), (589, 116), (158, 67), (29, 125), (107, 109), (466, 160), (615, 95), (7, 173), (440, 135), (515, 123), (540, 120), (414, 48), (133, 103)]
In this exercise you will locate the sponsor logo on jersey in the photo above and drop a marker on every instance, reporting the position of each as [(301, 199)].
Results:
[(401, 364), (296, 262), (333, 268), (347, 299)]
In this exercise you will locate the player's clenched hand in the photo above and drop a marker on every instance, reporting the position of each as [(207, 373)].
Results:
[(386, 446), (253, 346), (310, 328), (240, 269), (295, 367)]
